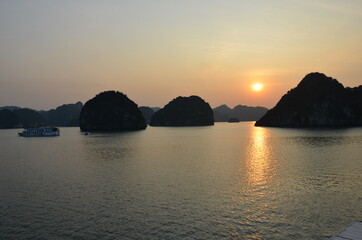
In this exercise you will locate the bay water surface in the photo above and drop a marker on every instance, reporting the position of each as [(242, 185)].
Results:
[(228, 181)]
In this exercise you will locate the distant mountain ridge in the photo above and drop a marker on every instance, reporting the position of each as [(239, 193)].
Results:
[(147, 113), (11, 108), (223, 113), (66, 115)]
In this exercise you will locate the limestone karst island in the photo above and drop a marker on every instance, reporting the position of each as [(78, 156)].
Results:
[(317, 101)]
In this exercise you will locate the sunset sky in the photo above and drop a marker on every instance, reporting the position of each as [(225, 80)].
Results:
[(56, 52)]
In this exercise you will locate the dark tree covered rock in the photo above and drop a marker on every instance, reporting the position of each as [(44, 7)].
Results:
[(147, 113), (317, 101), (184, 111), (8, 119), (111, 111)]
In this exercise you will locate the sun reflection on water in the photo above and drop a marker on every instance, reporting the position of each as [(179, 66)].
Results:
[(259, 166), (255, 191)]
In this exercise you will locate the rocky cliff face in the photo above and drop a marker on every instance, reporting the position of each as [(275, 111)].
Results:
[(111, 111), (184, 111), (317, 101)]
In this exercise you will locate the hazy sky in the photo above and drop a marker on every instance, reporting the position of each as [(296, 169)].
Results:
[(56, 52)]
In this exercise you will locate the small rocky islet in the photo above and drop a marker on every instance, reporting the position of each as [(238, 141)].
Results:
[(111, 111), (184, 111)]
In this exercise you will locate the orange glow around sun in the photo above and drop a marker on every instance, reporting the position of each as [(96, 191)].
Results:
[(257, 87)]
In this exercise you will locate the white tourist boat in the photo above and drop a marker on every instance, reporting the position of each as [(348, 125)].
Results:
[(40, 132)]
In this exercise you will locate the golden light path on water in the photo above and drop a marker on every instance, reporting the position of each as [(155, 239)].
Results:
[(258, 160), (256, 173)]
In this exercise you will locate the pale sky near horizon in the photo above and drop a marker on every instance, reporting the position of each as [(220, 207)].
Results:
[(57, 52)]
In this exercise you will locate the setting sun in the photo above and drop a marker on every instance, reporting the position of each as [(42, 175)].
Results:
[(257, 86)]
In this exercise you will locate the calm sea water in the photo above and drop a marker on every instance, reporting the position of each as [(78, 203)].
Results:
[(228, 181)]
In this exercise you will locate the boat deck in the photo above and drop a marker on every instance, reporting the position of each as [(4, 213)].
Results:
[(352, 232)]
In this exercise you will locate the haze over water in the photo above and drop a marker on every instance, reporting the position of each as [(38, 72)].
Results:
[(220, 182)]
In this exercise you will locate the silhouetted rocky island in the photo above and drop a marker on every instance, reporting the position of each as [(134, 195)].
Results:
[(111, 111), (317, 101), (184, 111)]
